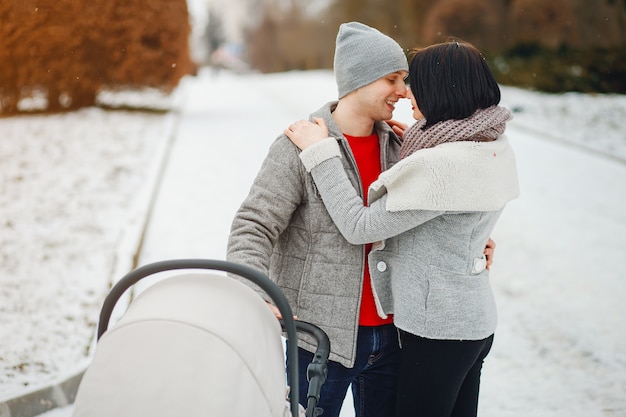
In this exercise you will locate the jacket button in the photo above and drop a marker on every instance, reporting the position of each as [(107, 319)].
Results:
[(381, 266)]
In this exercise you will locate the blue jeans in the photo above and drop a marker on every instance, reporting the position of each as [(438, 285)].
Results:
[(373, 377)]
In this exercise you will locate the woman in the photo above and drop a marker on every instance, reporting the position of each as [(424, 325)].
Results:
[(435, 210)]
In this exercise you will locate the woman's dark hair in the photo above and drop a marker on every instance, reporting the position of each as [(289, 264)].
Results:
[(451, 80)]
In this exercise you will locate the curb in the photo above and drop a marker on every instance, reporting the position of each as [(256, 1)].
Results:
[(43, 399)]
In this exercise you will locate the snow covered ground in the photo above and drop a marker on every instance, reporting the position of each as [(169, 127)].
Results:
[(75, 191)]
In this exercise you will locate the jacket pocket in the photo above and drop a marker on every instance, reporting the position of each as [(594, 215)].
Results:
[(459, 306)]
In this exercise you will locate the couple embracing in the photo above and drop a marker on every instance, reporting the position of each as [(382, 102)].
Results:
[(380, 234)]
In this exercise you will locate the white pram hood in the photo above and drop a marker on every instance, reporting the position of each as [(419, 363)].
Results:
[(190, 345)]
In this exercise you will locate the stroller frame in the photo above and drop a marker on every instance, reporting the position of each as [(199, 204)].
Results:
[(316, 371)]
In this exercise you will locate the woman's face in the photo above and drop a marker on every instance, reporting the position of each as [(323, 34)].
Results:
[(417, 114)]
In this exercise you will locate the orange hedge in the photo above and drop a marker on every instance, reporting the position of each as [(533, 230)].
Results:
[(65, 51)]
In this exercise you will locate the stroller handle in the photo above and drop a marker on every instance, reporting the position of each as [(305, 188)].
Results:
[(243, 271), (317, 371)]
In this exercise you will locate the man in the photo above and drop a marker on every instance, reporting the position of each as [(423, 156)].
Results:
[(283, 229)]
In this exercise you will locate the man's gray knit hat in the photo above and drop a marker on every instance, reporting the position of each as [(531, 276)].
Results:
[(363, 55)]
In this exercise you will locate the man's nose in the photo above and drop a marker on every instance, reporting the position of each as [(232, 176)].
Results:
[(402, 90)]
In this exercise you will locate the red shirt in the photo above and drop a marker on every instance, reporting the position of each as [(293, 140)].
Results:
[(366, 151)]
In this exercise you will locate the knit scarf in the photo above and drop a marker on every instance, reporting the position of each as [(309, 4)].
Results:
[(484, 125)]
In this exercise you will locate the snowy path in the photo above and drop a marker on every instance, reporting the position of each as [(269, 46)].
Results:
[(226, 127), (559, 275)]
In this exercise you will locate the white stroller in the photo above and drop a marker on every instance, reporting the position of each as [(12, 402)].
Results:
[(198, 344)]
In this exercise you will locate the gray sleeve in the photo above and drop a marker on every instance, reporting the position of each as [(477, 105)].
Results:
[(266, 212), (360, 224)]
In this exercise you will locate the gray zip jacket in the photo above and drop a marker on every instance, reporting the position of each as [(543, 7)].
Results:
[(283, 230), (436, 209)]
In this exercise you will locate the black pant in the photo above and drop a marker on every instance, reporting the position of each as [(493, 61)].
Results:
[(439, 378)]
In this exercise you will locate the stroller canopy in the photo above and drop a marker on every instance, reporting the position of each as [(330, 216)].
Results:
[(198, 344)]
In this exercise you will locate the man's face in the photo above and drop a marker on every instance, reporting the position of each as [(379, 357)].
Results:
[(379, 98)]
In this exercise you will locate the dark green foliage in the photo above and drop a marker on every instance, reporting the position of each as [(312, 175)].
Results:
[(595, 70)]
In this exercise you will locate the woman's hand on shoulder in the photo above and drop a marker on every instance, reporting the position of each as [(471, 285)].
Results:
[(304, 133), (398, 127)]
